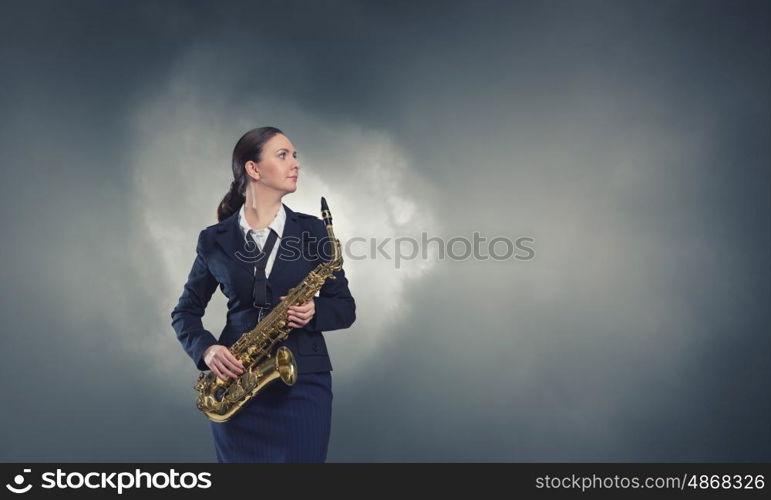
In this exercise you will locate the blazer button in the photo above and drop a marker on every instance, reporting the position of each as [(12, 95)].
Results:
[(315, 347)]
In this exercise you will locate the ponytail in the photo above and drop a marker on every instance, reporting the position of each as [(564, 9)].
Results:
[(231, 203)]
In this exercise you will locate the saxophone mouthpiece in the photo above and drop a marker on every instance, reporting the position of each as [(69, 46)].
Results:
[(325, 213)]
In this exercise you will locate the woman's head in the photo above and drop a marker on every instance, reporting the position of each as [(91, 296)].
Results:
[(264, 163)]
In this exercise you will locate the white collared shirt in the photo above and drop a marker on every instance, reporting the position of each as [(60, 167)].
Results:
[(260, 236)]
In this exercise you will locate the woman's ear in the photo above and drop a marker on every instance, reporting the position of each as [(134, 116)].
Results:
[(252, 170)]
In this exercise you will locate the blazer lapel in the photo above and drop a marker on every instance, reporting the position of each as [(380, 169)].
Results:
[(231, 239), (290, 238)]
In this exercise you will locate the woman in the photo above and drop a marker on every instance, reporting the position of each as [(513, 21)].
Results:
[(255, 254)]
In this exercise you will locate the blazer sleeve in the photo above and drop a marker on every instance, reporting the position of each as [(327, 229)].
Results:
[(335, 307), (186, 316)]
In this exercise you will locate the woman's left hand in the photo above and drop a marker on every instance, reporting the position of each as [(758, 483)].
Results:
[(299, 316)]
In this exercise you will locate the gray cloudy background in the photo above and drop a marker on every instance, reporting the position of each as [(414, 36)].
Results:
[(630, 140)]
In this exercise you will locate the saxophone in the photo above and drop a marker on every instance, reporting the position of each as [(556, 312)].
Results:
[(220, 399)]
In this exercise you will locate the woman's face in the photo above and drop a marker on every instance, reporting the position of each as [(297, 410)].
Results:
[(278, 168)]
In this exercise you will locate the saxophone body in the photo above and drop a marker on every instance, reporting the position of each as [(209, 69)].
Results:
[(220, 399)]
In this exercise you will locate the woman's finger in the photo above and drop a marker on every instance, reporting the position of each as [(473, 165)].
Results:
[(233, 366), (303, 308), (227, 372), (297, 323), (216, 369), (234, 360), (225, 369), (227, 360), (303, 315)]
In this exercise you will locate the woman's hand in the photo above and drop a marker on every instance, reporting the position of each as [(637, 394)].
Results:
[(221, 361), (299, 316)]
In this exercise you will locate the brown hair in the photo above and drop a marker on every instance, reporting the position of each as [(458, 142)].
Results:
[(248, 147)]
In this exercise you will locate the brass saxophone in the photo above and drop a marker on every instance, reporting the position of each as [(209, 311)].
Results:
[(220, 399)]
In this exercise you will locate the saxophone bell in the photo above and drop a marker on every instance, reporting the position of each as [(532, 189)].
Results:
[(282, 365), (217, 405)]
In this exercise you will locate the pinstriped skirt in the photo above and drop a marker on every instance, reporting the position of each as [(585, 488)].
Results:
[(280, 424)]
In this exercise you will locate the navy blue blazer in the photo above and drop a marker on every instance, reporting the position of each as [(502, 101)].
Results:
[(302, 248)]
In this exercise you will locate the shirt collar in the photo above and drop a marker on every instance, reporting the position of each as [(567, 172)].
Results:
[(277, 224)]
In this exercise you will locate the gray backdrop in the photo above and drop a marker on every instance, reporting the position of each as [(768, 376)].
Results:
[(629, 140)]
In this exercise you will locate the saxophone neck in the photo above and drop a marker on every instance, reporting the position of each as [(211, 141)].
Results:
[(336, 259)]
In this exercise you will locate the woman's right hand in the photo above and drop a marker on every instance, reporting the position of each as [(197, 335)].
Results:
[(221, 362)]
